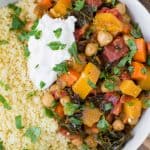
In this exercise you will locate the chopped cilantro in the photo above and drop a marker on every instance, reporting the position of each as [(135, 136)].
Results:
[(42, 84), (18, 122), (37, 34), (58, 32), (103, 125), (129, 56), (91, 84), (33, 133), (70, 108), (136, 31), (49, 112), (130, 69), (1, 145), (4, 102), (17, 10), (31, 94), (17, 23), (61, 68), (143, 70), (113, 2), (85, 147), (74, 53), (4, 85), (146, 103), (109, 84), (75, 121), (56, 45), (108, 106), (26, 52), (79, 4), (3, 42), (116, 71), (24, 36), (36, 22)]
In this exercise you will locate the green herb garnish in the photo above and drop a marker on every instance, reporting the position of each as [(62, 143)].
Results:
[(17, 10), (74, 52), (79, 4), (146, 103), (75, 121), (130, 69), (116, 71), (36, 22), (129, 56), (4, 85), (61, 68), (113, 2), (108, 106), (42, 84), (56, 45), (1, 145), (18, 122), (103, 125), (49, 112), (109, 84), (26, 52), (85, 147), (31, 94), (3, 42), (33, 133), (136, 31), (70, 108), (143, 70), (91, 84), (5, 103), (58, 32)]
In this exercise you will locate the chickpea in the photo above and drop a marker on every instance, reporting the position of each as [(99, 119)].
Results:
[(54, 87), (62, 84), (126, 38), (121, 8), (132, 121), (64, 100), (104, 38), (91, 49), (91, 142), (118, 125), (47, 99), (28, 26)]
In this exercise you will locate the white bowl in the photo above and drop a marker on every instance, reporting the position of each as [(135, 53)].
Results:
[(142, 17)]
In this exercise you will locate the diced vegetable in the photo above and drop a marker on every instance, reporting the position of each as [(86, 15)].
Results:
[(91, 116), (59, 110), (140, 55), (118, 125), (70, 78), (108, 22), (45, 3), (132, 110), (103, 124), (117, 108), (81, 87), (61, 8), (139, 71), (144, 84), (128, 87)]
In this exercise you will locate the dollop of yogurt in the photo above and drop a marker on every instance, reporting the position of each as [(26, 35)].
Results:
[(42, 57)]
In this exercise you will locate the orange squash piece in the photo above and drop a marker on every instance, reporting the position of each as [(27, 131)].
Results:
[(61, 8), (82, 87), (108, 22)]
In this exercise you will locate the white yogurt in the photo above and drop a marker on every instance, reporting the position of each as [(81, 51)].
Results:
[(42, 58)]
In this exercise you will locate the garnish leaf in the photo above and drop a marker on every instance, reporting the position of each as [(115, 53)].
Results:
[(74, 53), (136, 31), (113, 2), (4, 102), (75, 121), (33, 133), (146, 103), (4, 85), (42, 84), (116, 71), (144, 70), (15, 8), (1, 145), (18, 122), (3, 42), (56, 45), (103, 125), (70, 108), (61, 68), (108, 106), (26, 52), (17, 23), (79, 4), (91, 84), (31, 94), (58, 32), (49, 112), (109, 84)]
